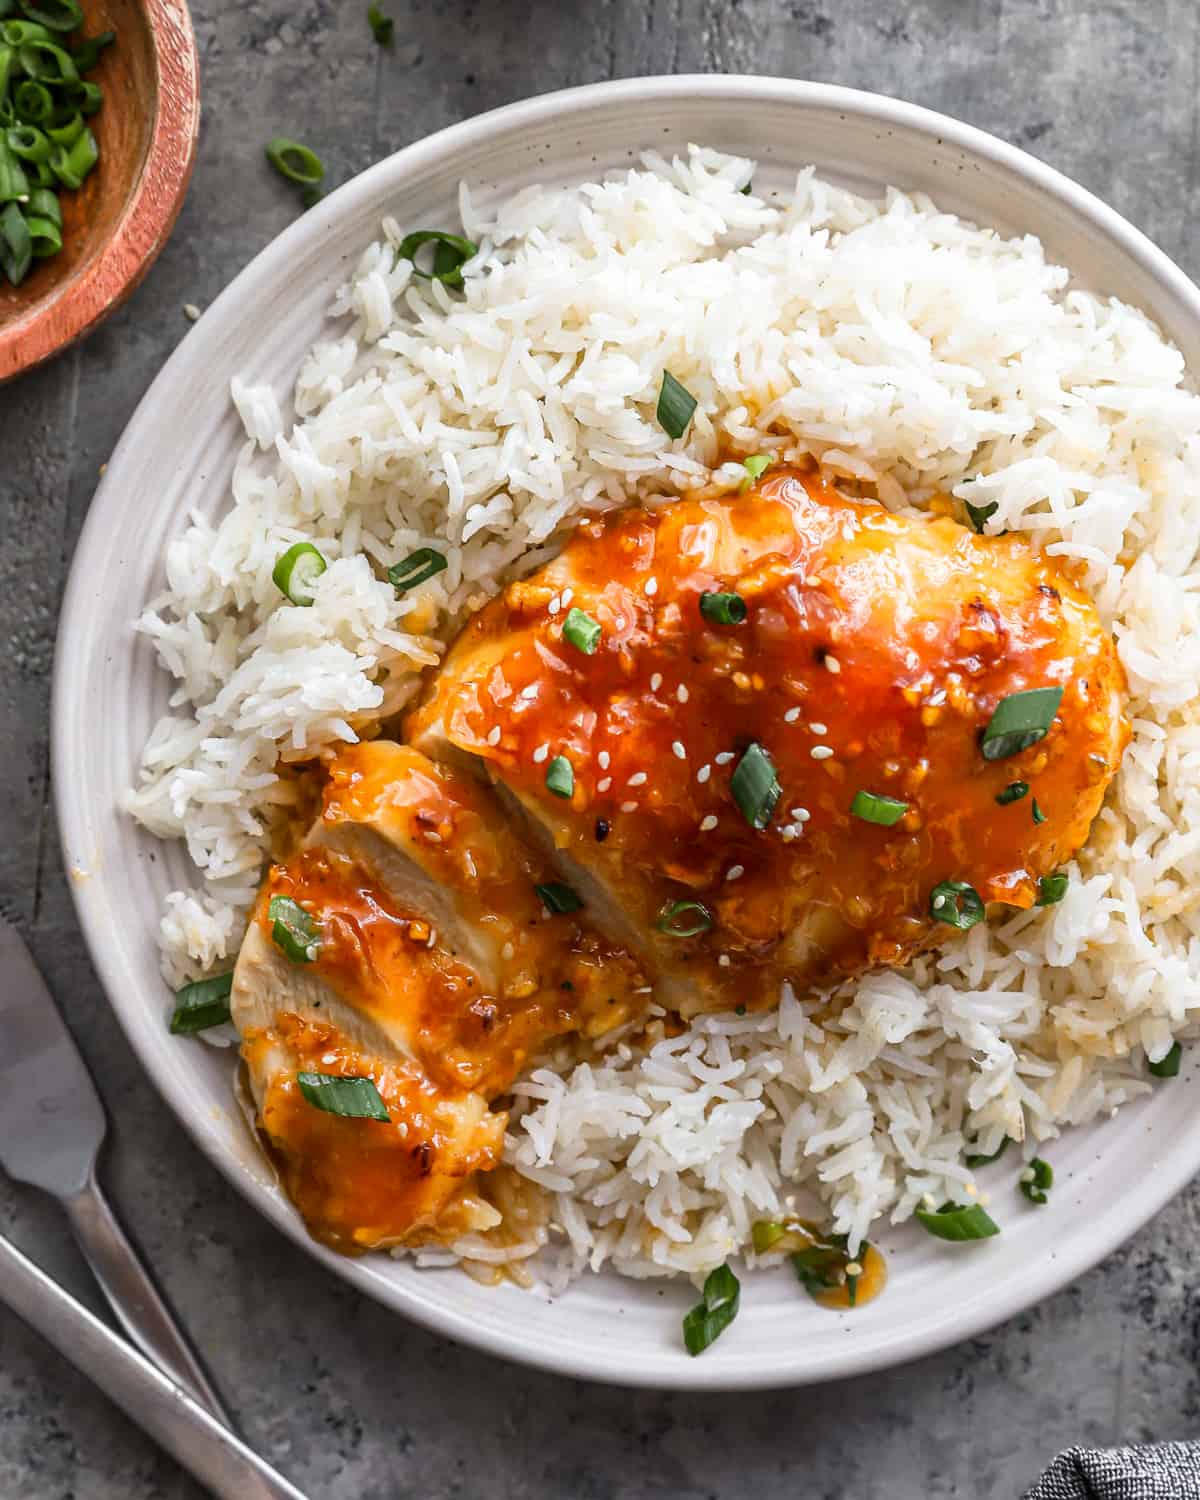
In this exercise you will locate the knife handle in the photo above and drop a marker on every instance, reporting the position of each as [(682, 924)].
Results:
[(218, 1458), (138, 1304)]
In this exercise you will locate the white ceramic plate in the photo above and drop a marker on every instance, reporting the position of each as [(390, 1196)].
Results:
[(178, 453)]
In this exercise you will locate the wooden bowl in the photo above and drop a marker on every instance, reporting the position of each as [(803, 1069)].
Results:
[(119, 220)]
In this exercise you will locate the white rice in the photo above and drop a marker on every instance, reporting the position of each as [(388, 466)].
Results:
[(899, 345)]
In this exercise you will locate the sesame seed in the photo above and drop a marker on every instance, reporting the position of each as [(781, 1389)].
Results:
[(724, 758), (677, 750), (507, 951), (724, 960), (681, 693), (494, 736), (637, 779), (971, 1190), (191, 312), (791, 716), (603, 786), (552, 607), (708, 823), (432, 837), (619, 621), (820, 752), (801, 814), (529, 693), (567, 595), (656, 682), (735, 872), (819, 728), (854, 1268), (628, 807), (703, 773), (540, 754), (833, 665), (651, 586), (603, 760)]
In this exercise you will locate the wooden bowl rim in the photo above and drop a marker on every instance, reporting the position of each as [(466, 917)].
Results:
[(149, 215)]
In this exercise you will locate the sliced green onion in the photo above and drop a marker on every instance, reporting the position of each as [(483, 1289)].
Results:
[(1013, 792), (55, 15), (723, 609), (1051, 889), (560, 777), (684, 919), (1168, 1066), (676, 404), (381, 26), (17, 33), (354, 1098), (71, 164), (64, 127), (14, 185), (765, 1232), (44, 203), (957, 904), (47, 62), (451, 253), (755, 466), (1038, 815), (958, 1221), (297, 571), (295, 161), (86, 97), (980, 514), (977, 1159), (712, 1316), (755, 787), (821, 1267), (582, 631), (16, 244), (873, 808), (28, 142), (1037, 1179), (87, 54), (558, 898), (418, 567), (201, 1005), (293, 930), (1020, 720), (33, 102), (45, 237)]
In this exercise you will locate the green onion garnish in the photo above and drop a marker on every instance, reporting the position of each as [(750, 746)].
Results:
[(711, 1317), (755, 466), (381, 26), (676, 404), (1013, 792), (1168, 1066), (87, 53), (958, 1221), (55, 15), (1036, 1179), (684, 918), (71, 164), (755, 787), (723, 609), (822, 1267), (296, 572), (582, 631), (560, 777), (558, 898), (980, 514), (418, 567), (977, 1159), (1051, 889), (293, 931), (872, 808), (201, 1005), (16, 244), (765, 1232), (451, 252), (1020, 720), (1038, 815), (354, 1098), (295, 161), (956, 903)]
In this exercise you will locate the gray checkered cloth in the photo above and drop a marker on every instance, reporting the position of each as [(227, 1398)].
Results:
[(1164, 1471)]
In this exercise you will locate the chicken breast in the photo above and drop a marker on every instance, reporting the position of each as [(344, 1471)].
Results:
[(734, 741), (873, 652)]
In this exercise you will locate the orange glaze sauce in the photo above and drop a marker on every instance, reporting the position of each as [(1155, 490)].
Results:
[(363, 1184), (879, 642)]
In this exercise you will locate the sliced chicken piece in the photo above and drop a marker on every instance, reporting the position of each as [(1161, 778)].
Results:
[(436, 973), (873, 652)]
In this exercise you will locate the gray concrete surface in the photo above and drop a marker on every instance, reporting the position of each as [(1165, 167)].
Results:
[(355, 1404)]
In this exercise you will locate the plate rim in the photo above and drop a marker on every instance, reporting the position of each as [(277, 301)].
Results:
[(1144, 1198)]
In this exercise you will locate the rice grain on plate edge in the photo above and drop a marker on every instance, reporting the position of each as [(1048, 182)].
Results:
[(904, 348)]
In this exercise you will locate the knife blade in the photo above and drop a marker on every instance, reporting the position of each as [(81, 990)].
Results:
[(52, 1125)]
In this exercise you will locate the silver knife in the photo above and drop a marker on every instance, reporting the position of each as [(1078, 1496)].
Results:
[(52, 1125)]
